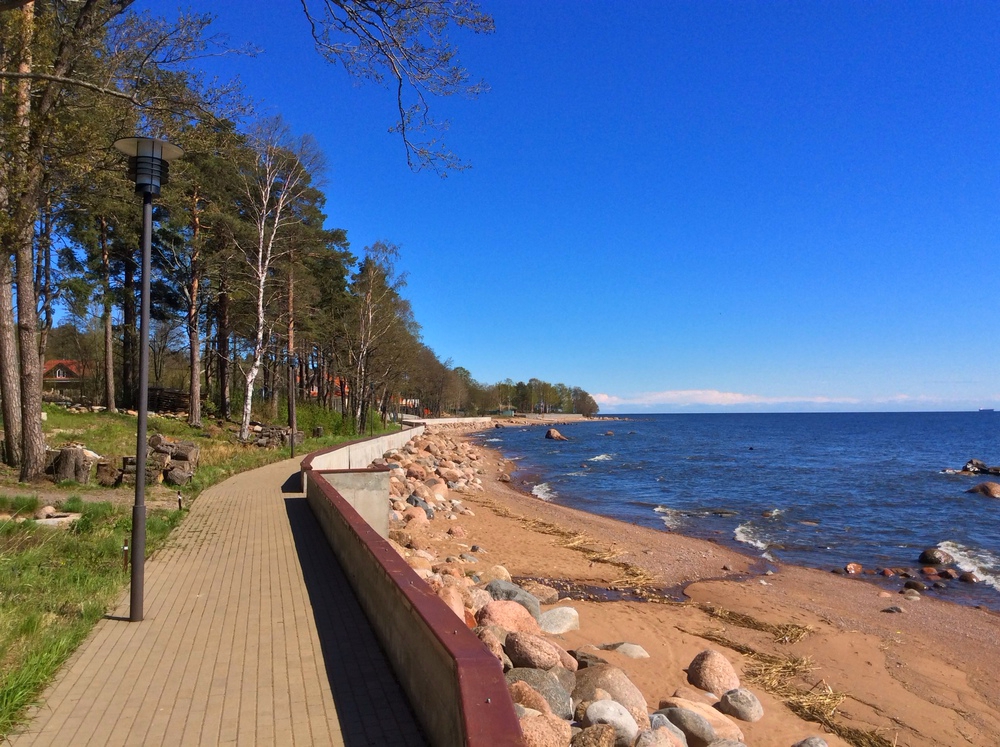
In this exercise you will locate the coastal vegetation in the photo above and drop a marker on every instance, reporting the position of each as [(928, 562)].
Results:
[(256, 298)]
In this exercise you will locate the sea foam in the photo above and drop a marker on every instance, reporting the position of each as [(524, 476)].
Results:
[(544, 491), (601, 458), (747, 534), (983, 563), (671, 517)]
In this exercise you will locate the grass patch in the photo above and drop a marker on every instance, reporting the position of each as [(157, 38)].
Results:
[(54, 585)]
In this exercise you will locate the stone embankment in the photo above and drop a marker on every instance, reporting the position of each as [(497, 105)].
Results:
[(562, 697)]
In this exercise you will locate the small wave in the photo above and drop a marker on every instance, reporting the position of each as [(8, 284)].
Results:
[(544, 491), (747, 534), (671, 517), (601, 458), (983, 563), (773, 513), (494, 440), (577, 474)]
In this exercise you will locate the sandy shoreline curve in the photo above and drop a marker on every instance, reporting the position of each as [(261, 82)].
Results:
[(926, 675)]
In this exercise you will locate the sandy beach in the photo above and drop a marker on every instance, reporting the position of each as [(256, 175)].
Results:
[(819, 650)]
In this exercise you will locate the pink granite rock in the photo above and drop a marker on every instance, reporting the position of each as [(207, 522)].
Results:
[(508, 615), (546, 731), (527, 650), (451, 596), (529, 697), (712, 671)]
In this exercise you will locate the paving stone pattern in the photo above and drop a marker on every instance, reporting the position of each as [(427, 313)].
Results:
[(251, 636)]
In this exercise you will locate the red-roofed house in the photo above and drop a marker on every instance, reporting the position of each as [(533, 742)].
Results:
[(62, 375)]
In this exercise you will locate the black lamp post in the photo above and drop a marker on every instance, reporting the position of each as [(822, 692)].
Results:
[(148, 161)]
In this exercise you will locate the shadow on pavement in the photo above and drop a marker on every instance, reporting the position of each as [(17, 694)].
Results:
[(371, 705), (293, 484)]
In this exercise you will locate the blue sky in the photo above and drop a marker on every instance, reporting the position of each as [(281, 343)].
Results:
[(686, 206)]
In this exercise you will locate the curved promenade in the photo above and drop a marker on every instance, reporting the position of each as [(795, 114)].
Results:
[(252, 636)]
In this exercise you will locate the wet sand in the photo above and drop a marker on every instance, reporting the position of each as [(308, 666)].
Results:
[(929, 675)]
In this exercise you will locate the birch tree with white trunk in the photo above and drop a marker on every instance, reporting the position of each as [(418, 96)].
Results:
[(278, 176)]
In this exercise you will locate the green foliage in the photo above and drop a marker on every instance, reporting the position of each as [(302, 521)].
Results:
[(54, 585)]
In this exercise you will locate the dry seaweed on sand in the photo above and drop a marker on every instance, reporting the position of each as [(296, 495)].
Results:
[(785, 633), (593, 550), (818, 704)]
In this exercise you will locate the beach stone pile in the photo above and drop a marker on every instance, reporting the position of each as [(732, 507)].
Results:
[(562, 697), (427, 470)]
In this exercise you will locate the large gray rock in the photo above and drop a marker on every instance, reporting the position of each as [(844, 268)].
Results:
[(811, 742), (610, 679), (742, 704), (507, 591), (697, 730), (559, 620), (547, 686), (615, 714)]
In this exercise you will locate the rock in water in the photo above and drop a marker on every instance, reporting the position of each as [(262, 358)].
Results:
[(935, 556), (742, 704), (712, 672), (555, 435), (989, 489)]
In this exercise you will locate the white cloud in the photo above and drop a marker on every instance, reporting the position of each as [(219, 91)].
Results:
[(689, 397), (695, 398)]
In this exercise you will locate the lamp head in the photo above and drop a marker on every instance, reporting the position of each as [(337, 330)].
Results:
[(148, 161)]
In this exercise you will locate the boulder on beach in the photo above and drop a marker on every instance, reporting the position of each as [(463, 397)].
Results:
[(615, 715), (505, 590), (989, 489), (712, 672), (545, 684), (555, 435), (610, 679), (742, 704)]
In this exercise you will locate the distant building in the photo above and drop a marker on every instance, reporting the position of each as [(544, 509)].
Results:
[(63, 376)]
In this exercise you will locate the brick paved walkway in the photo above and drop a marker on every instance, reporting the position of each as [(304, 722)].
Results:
[(252, 636)]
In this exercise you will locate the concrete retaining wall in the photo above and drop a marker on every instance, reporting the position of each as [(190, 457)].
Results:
[(359, 454), (447, 421), (455, 686)]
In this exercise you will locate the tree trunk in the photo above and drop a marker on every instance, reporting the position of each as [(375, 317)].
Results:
[(290, 350), (25, 207), (129, 377), (9, 388), (109, 340), (194, 343), (222, 335)]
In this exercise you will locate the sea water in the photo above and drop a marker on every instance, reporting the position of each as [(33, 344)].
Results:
[(819, 489)]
